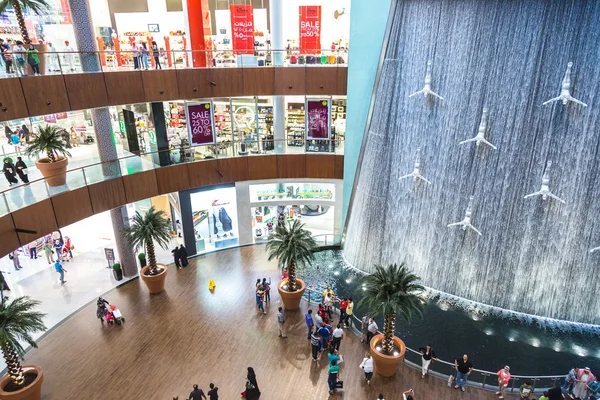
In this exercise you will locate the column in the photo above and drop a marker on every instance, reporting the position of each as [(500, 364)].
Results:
[(88, 47), (160, 132), (279, 123), (277, 43), (197, 18)]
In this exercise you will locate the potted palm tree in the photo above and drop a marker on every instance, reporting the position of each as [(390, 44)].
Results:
[(143, 231), (49, 141), (293, 246), (391, 291), (18, 320)]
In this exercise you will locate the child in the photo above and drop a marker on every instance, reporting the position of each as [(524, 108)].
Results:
[(260, 298), (544, 396)]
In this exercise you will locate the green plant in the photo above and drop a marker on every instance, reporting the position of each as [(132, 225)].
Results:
[(18, 321), (391, 291), (293, 246), (146, 229), (141, 257), (49, 141), (37, 6), (117, 266)]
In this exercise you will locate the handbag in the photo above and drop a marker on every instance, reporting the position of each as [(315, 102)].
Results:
[(339, 384), (25, 171)]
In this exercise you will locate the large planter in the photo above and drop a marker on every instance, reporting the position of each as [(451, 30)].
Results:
[(55, 173), (31, 392), (155, 283), (386, 365), (291, 300), (118, 274)]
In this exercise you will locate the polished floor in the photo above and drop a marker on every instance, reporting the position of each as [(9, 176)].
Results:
[(188, 335)]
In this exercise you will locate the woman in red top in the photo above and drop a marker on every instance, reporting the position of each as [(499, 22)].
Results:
[(343, 306), (503, 379)]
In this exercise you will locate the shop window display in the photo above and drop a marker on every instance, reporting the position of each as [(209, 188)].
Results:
[(292, 191), (295, 124), (318, 219), (214, 215)]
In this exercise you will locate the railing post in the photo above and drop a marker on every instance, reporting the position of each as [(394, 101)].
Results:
[(5, 202), (84, 177), (484, 379), (512, 388)]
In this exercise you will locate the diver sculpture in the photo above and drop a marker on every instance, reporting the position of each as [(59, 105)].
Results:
[(480, 137), (426, 91), (416, 174), (545, 189), (565, 90), (466, 222)]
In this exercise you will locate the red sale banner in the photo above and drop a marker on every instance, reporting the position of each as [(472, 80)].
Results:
[(200, 123), (242, 28), (310, 29)]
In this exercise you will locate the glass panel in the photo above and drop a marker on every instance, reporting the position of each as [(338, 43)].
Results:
[(317, 219), (25, 195), (292, 191), (74, 179), (214, 215), (102, 172)]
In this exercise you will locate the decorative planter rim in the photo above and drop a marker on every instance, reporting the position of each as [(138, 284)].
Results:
[(146, 268), (298, 280), (26, 368), (397, 341)]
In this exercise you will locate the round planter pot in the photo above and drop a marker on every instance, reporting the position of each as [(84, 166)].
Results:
[(386, 365), (55, 173), (31, 392), (291, 300), (155, 283)]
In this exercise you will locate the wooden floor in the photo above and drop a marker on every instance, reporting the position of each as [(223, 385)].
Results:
[(188, 335)]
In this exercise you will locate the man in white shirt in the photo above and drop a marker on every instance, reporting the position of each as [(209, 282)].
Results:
[(318, 321), (371, 330), (53, 64), (69, 55), (338, 334)]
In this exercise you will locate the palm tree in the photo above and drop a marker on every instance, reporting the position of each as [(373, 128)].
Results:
[(18, 321), (293, 246), (391, 291), (37, 6), (146, 229), (49, 141)]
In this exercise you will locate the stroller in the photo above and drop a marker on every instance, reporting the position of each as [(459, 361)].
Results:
[(113, 315)]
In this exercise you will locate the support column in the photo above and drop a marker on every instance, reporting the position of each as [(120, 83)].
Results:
[(197, 17), (276, 10), (87, 45), (160, 132), (279, 124)]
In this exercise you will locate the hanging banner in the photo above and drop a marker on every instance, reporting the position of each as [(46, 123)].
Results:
[(200, 123), (318, 113), (242, 28), (310, 29)]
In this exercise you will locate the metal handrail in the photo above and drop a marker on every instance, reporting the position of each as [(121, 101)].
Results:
[(484, 373)]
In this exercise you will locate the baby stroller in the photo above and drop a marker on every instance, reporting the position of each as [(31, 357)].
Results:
[(113, 315)]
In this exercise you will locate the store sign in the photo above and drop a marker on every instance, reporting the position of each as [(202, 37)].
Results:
[(310, 29), (62, 115), (50, 118), (242, 28), (317, 120), (200, 123)]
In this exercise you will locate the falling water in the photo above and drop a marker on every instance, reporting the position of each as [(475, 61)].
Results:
[(509, 57)]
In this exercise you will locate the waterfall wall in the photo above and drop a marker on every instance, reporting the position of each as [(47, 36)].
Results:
[(508, 56)]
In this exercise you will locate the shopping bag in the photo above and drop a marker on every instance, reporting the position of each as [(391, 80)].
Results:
[(339, 384)]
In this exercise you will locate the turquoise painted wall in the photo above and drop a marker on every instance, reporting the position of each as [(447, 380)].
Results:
[(368, 20)]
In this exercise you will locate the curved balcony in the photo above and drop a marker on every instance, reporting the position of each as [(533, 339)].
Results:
[(98, 80)]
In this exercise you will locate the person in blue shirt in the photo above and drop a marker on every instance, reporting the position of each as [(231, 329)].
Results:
[(309, 322), (59, 268), (594, 388), (324, 333), (332, 356)]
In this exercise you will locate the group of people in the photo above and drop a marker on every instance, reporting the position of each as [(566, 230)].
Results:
[(263, 295), (141, 55), (16, 57), (11, 171), (180, 256), (582, 384), (198, 394)]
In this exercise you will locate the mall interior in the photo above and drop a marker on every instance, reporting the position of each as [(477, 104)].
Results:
[(454, 138)]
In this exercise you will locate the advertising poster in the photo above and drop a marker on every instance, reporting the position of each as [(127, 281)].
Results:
[(310, 29), (50, 118), (242, 28), (200, 123), (317, 120)]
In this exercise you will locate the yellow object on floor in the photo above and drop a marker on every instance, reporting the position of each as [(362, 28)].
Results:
[(211, 284)]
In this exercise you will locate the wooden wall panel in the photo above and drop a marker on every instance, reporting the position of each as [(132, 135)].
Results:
[(38, 217), (172, 179), (124, 87), (160, 85), (321, 80), (320, 166), (290, 80), (72, 206), (194, 83), (262, 167), (291, 166), (86, 90), (339, 167), (203, 173), (233, 169), (342, 81), (228, 82), (8, 237), (140, 186), (259, 81), (12, 100), (107, 195), (45, 94)]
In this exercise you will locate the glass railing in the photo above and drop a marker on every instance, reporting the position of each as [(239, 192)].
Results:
[(328, 240), (17, 197), (129, 60)]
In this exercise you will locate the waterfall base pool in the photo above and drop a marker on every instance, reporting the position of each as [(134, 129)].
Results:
[(491, 337)]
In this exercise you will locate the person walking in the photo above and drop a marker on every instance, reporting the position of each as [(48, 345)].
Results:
[(337, 335), (183, 256), (267, 288), (33, 250), (59, 268), (349, 311), (503, 379), (281, 323), (197, 394), (33, 59), (176, 257), (371, 330), (464, 367), (25, 133), (212, 393), (15, 260), (315, 343), (156, 55), (52, 58), (260, 298), (58, 245), (367, 367), (427, 357), (69, 56), (8, 134), (9, 172), (252, 391), (69, 246), (19, 58), (47, 247), (22, 170), (308, 319), (334, 375)]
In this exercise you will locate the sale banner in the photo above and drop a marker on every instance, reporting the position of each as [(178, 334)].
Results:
[(242, 28), (50, 118), (310, 29), (317, 118), (200, 123)]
